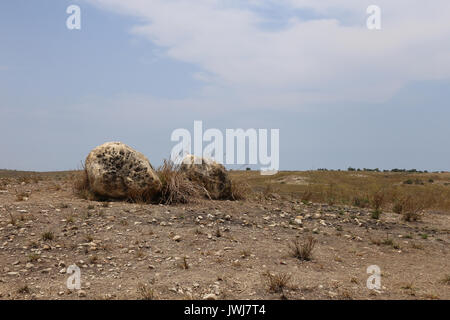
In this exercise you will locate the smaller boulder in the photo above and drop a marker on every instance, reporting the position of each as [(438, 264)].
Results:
[(211, 175)]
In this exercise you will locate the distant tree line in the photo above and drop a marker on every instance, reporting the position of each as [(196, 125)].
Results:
[(392, 170), (378, 170)]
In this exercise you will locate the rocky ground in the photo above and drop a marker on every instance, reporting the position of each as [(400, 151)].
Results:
[(212, 249)]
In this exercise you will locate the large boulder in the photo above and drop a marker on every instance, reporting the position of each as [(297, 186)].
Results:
[(211, 175), (115, 170)]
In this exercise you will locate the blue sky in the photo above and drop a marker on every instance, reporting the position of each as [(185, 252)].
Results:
[(340, 94)]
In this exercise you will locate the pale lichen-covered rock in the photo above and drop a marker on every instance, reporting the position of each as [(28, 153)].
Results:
[(211, 175), (115, 170)]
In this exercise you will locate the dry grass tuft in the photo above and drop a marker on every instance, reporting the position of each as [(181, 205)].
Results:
[(240, 190), (140, 197), (12, 219), (48, 236), (270, 191), (145, 292), (276, 283), (303, 251), (411, 208), (176, 188), (307, 196), (377, 200), (81, 186), (24, 290)]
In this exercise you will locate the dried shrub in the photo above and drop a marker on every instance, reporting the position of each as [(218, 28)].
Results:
[(361, 202), (303, 251), (141, 196), (145, 292), (270, 192), (176, 188), (24, 290), (240, 190), (397, 207), (81, 185), (306, 196), (48, 236), (375, 214), (412, 208), (377, 200), (276, 283)]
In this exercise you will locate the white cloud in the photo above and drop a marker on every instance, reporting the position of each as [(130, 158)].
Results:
[(309, 60)]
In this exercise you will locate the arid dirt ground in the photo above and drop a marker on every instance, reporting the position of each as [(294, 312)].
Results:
[(211, 249)]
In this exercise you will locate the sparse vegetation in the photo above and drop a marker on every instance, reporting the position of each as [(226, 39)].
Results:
[(176, 188), (306, 196), (145, 292), (24, 290), (48, 236), (70, 219), (411, 208), (415, 245), (269, 191), (356, 188), (397, 207), (378, 200), (361, 202), (81, 186), (408, 286), (376, 214), (32, 257), (303, 251), (240, 190), (12, 219), (276, 283)]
